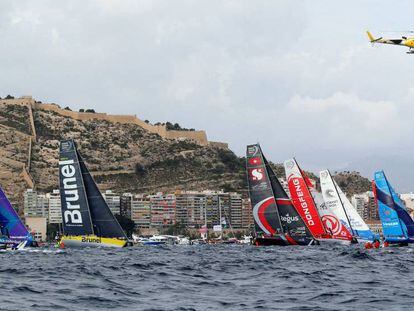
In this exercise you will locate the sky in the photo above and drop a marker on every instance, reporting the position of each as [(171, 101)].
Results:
[(300, 77)]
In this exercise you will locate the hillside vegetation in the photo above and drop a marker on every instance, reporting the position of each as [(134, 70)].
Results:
[(122, 157)]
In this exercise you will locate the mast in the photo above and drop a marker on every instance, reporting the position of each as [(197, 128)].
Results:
[(205, 221), (342, 203), (221, 229)]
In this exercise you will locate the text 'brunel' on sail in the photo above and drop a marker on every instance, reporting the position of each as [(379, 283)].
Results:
[(87, 219)]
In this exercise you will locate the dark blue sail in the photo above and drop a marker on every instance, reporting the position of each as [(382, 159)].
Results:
[(104, 222), (75, 210)]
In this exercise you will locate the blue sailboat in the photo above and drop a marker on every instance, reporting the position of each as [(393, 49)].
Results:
[(13, 231), (397, 224)]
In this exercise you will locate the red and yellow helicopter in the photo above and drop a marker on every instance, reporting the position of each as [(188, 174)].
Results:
[(404, 41)]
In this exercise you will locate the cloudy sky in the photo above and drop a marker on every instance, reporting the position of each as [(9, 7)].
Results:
[(300, 77)]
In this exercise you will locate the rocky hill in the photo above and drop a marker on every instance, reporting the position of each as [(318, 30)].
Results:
[(352, 182), (125, 157)]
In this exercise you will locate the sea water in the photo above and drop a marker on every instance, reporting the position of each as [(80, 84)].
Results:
[(208, 277)]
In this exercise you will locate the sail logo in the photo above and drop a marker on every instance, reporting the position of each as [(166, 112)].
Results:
[(324, 175), (260, 187), (257, 174), (90, 240), (302, 201), (390, 224), (290, 164), (255, 161), (289, 219), (252, 150), (330, 193), (66, 145), (70, 194), (259, 215), (332, 224)]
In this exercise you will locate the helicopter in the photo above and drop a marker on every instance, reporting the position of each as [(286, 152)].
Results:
[(404, 41)]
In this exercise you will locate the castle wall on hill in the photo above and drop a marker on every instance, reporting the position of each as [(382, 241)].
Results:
[(22, 101), (199, 137)]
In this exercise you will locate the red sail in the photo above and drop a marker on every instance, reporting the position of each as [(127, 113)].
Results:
[(302, 199)]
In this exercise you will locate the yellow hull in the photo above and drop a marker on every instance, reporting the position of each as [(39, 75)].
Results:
[(90, 241)]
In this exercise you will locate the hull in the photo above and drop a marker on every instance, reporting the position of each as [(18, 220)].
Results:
[(14, 243), (268, 241), (328, 241), (363, 241), (153, 243), (401, 241), (302, 241), (90, 241), (283, 241)]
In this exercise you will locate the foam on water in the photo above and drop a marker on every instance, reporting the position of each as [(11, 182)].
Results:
[(208, 277)]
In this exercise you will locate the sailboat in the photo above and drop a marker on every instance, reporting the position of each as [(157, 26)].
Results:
[(87, 219), (13, 231), (276, 220), (339, 204), (397, 224), (323, 224)]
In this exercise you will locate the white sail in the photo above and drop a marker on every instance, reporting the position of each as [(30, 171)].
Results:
[(333, 199), (356, 220), (340, 205)]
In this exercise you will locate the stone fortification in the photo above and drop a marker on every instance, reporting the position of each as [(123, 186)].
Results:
[(199, 137)]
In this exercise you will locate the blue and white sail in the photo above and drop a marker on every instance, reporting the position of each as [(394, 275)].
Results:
[(337, 201), (397, 225)]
